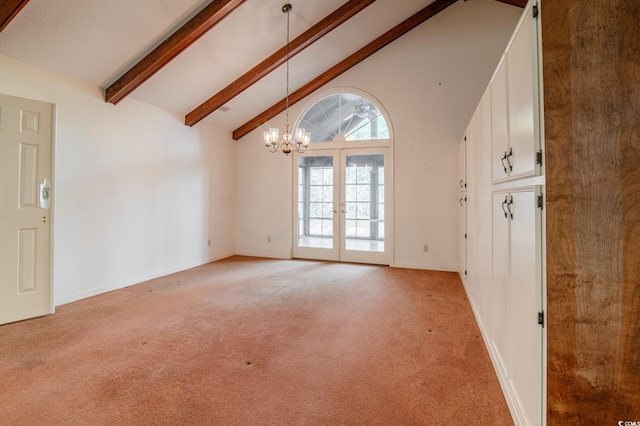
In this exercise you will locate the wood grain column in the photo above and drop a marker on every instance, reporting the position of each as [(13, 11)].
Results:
[(591, 60)]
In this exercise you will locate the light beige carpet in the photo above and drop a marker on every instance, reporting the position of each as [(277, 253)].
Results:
[(249, 341)]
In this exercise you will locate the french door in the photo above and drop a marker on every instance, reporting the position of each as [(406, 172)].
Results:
[(342, 204)]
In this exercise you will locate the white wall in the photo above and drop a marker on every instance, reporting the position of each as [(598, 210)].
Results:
[(137, 193), (430, 82)]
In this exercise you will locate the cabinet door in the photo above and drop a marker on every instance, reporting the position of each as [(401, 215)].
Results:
[(462, 164), (462, 240), (523, 98), (501, 330), (499, 124), (526, 293)]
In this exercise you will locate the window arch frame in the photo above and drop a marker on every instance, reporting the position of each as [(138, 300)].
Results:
[(371, 143)]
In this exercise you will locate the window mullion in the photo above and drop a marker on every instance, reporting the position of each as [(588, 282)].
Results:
[(373, 190), (307, 199)]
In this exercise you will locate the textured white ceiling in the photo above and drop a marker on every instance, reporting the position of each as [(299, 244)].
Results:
[(97, 41), (91, 40)]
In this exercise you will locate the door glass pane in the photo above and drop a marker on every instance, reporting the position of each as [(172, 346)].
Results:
[(364, 202), (315, 202)]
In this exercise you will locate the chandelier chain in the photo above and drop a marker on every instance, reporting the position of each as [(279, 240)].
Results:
[(287, 97)]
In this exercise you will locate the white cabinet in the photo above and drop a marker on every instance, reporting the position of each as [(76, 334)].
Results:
[(499, 124), (462, 164), (478, 211), (523, 94), (517, 298), (514, 100), (462, 235), (462, 205), (500, 224)]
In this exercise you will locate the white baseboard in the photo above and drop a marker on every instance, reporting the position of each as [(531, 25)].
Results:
[(220, 257), (426, 267), (265, 255)]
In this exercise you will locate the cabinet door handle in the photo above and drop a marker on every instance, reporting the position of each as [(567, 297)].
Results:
[(461, 181), (509, 204), (460, 201), (502, 161), (504, 203), (508, 160)]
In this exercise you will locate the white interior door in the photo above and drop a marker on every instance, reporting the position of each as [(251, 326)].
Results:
[(25, 222), (341, 201)]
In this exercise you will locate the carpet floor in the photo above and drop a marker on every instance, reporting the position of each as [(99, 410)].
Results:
[(248, 341)]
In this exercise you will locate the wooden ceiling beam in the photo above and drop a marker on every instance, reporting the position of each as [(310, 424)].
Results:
[(371, 48), (197, 26), (519, 3), (319, 30), (9, 9)]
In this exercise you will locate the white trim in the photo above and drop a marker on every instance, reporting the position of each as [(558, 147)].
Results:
[(425, 267), (52, 151), (264, 255), (351, 144)]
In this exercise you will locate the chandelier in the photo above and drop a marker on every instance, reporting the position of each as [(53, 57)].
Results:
[(288, 142)]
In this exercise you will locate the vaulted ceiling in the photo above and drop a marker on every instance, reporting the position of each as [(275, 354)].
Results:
[(217, 60)]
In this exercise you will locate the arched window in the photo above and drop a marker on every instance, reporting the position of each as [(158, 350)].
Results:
[(344, 117)]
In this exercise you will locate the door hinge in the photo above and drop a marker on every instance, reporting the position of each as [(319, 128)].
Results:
[(535, 11), (541, 318), (540, 201), (539, 157)]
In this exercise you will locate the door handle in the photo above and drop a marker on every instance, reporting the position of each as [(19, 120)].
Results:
[(509, 204), (505, 202), (45, 194), (510, 154), (502, 161)]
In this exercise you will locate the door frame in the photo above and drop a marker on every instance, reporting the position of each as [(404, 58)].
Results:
[(52, 112), (339, 252), (317, 253)]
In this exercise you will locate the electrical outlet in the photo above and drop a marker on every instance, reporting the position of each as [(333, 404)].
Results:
[(209, 243), (268, 239), (425, 248)]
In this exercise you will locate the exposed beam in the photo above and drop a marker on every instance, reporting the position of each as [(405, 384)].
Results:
[(9, 9), (371, 48), (197, 26), (319, 30), (519, 3)]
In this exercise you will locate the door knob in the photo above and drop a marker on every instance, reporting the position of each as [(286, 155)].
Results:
[(45, 193)]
